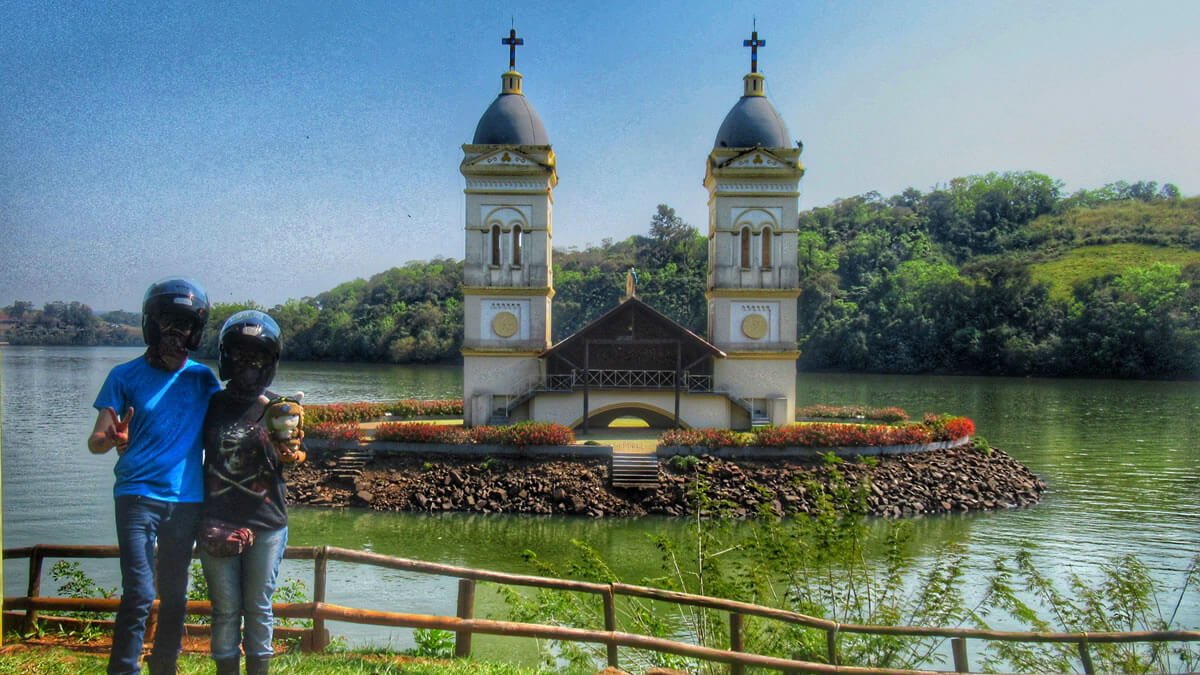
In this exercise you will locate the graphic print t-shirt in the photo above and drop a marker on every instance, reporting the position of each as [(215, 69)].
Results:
[(243, 481)]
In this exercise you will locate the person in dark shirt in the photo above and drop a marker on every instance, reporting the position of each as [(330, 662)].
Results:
[(162, 396), (243, 531)]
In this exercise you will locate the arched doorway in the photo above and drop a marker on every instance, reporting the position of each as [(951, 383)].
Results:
[(654, 417)]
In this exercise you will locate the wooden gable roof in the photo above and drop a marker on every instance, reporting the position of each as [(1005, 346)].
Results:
[(632, 336)]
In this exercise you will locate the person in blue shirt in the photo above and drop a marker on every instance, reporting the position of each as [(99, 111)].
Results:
[(162, 397)]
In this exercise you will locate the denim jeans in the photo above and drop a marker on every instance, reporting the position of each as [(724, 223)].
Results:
[(240, 587), (141, 523)]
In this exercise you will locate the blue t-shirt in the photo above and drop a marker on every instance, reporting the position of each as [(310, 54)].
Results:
[(165, 458)]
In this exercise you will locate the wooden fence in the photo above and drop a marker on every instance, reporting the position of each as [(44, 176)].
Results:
[(464, 625)]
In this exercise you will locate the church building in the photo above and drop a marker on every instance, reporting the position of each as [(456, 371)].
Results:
[(632, 361)]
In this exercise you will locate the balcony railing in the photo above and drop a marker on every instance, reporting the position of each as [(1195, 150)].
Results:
[(625, 379)]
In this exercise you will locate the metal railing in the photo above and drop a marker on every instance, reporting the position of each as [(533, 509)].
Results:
[(464, 625), (623, 379)]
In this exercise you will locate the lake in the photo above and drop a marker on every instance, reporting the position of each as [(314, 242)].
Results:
[(1120, 458)]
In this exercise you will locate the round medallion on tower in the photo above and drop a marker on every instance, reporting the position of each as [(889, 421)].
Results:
[(510, 119), (505, 324), (755, 326)]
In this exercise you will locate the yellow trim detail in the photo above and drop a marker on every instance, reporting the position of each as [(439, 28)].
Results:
[(790, 355), (507, 291), (469, 351), (751, 293)]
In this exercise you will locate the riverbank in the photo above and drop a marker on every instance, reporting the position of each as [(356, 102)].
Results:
[(954, 480)]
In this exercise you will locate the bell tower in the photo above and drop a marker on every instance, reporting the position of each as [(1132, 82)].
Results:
[(753, 181), (508, 282)]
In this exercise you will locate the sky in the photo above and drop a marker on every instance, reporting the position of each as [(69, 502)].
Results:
[(273, 150)]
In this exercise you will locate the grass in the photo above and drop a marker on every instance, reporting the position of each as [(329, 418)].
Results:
[(36, 660), (1088, 262)]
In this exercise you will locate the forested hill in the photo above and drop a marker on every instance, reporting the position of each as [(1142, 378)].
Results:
[(997, 274)]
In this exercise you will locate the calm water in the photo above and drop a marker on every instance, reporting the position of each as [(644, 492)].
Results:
[(1120, 458)]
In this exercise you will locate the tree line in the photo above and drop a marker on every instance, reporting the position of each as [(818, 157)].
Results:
[(939, 281)]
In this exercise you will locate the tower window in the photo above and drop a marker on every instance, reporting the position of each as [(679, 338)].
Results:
[(746, 248), (495, 245), (766, 247), (516, 246)]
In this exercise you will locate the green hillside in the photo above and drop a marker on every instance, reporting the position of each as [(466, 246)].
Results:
[(1089, 262)]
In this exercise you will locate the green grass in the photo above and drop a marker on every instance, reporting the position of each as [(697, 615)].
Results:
[(59, 661), (1088, 262)]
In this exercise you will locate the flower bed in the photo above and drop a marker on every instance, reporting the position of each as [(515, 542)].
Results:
[(521, 435), (421, 432), (933, 428), (524, 434), (361, 412), (849, 412), (333, 431), (707, 437), (832, 435)]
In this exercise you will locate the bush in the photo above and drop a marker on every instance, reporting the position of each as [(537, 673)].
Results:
[(361, 412), (821, 411), (426, 408), (524, 434), (343, 413), (334, 431), (707, 437), (947, 427), (421, 432), (833, 435)]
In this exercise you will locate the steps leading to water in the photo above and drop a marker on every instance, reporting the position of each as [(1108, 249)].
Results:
[(350, 463), (636, 471)]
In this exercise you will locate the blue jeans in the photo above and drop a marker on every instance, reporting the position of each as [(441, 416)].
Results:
[(240, 587), (141, 523)]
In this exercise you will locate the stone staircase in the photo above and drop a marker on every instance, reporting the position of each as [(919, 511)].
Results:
[(637, 471), (350, 463)]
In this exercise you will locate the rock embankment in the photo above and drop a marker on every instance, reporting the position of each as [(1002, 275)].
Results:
[(939, 481)]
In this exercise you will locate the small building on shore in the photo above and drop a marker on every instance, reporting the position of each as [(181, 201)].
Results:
[(631, 361)]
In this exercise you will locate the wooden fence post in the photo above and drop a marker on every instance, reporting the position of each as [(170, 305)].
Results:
[(736, 643), (1086, 657), (34, 588), (831, 644), (466, 610), (610, 623), (320, 635), (959, 647)]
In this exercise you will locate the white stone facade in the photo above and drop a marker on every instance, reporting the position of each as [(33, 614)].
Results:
[(753, 277), (507, 275)]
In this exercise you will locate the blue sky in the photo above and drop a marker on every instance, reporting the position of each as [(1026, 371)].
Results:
[(275, 149)]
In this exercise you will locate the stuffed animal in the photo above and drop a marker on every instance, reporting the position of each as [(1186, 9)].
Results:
[(284, 418)]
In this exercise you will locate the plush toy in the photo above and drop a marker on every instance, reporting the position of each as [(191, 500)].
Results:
[(284, 419)]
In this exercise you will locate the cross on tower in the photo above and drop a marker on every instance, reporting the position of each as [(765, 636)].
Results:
[(512, 41), (754, 43)]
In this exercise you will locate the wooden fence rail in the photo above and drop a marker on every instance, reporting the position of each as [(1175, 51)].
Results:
[(464, 625)]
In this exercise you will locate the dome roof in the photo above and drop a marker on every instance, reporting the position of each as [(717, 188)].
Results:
[(511, 120), (753, 121)]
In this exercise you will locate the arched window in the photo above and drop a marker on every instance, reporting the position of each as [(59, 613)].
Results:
[(765, 261), (746, 248), (496, 245), (516, 246)]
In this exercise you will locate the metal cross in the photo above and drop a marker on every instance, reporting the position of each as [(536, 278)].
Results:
[(754, 43), (512, 41)]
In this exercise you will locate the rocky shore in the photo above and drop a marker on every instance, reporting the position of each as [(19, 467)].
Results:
[(938, 481)]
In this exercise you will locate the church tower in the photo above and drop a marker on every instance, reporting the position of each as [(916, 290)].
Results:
[(753, 181), (507, 277)]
